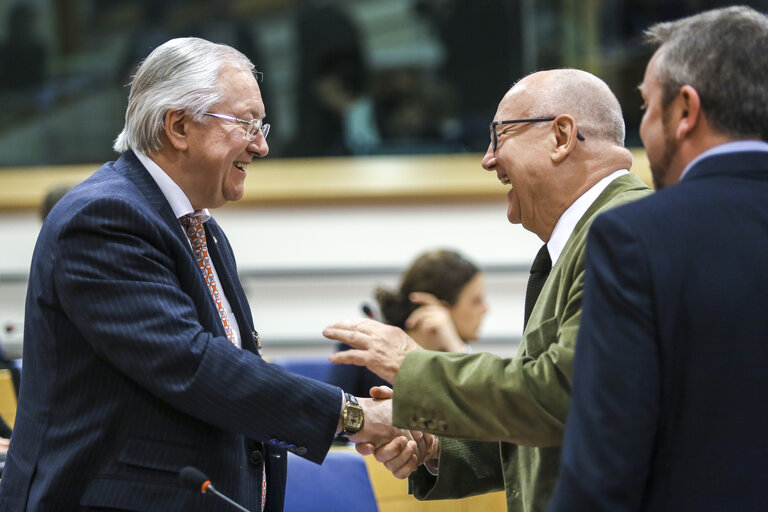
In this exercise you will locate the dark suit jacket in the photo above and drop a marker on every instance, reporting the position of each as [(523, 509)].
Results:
[(670, 390), (128, 374)]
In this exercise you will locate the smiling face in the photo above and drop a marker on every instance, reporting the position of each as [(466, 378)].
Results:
[(218, 151), (519, 155), (470, 308)]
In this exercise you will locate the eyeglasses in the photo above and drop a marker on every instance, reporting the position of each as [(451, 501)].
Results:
[(495, 137), (254, 126)]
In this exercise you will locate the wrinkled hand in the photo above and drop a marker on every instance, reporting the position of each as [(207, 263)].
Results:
[(380, 347), (377, 426), (405, 453), (433, 324)]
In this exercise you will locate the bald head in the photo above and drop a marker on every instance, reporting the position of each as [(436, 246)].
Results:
[(577, 93)]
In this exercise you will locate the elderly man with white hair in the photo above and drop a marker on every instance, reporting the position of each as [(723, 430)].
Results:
[(140, 353)]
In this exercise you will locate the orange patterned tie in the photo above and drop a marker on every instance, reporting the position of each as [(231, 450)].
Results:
[(196, 233), (193, 226)]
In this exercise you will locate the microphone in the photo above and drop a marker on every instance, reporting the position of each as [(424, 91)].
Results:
[(196, 479)]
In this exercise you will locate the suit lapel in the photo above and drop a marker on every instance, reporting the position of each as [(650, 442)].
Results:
[(132, 168), (223, 260)]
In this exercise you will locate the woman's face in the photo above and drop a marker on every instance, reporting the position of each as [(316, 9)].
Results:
[(470, 308)]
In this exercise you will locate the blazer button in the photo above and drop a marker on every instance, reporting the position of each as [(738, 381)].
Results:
[(255, 457), (301, 450)]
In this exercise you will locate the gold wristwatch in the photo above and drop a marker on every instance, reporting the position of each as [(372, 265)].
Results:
[(352, 415)]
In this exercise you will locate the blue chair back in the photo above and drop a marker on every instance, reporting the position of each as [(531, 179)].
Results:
[(341, 483), (318, 368)]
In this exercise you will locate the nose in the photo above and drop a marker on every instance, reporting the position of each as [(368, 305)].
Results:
[(258, 146), (489, 159)]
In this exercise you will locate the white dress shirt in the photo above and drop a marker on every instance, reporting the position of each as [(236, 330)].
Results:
[(181, 206)]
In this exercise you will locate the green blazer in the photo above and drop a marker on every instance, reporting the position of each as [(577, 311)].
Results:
[(520, 403)]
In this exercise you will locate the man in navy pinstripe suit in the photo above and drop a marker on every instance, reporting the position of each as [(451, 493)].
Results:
[(129, 373)]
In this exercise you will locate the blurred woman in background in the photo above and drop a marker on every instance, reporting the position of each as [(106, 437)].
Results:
[(440, 303)]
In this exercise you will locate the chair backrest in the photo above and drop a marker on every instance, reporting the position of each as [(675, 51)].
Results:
[(340, 483), (318, 368)]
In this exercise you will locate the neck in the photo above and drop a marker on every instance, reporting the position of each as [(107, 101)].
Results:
[(692, 148), (573, 181), (172, 164)]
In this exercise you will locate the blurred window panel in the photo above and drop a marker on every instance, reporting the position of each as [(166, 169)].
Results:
[(343, 77)]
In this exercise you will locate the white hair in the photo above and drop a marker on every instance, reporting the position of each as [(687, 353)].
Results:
[(584, 97), (182, 73)]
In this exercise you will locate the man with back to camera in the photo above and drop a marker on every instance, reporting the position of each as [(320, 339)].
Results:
[(668, 411), (558, 140), (140, 354)]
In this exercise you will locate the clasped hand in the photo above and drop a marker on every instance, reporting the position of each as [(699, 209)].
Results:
[(401, 451)]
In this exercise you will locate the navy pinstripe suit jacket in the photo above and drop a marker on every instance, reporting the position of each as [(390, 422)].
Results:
[(128, 374)]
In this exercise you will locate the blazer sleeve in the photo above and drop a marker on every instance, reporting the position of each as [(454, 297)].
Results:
[(522, 400), (117, 275), (466, 468), (615, 405)]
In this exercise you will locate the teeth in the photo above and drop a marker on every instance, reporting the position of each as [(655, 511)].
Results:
[(241, 165), (505, 181)]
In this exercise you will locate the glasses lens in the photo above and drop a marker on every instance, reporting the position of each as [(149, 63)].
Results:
[(494, 142), (255, 127)]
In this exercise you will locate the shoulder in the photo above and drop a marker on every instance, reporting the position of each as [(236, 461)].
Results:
[(624, 189)]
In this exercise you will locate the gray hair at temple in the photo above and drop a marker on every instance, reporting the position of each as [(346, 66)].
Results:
[(723, 54), (584, 97), (182, 73)]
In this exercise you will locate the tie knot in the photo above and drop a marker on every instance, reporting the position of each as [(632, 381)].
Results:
[(190, 220), (542, 262)]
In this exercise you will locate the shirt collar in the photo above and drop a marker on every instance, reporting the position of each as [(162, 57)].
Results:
[(739, 146), (570, 217), (176, 197)]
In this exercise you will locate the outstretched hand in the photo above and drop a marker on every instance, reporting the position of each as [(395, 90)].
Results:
[(380, 347)]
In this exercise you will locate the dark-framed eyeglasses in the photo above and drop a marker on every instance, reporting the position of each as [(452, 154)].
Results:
[(253, 127), (494, 124)]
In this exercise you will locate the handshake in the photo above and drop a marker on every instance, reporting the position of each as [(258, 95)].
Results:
[(382, 349), (401, 451)]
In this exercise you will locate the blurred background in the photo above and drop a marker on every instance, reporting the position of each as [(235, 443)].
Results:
[(379, 113), (340, 77)]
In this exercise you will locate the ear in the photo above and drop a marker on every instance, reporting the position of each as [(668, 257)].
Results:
[(565, 137), (175, 128), (688, 111)]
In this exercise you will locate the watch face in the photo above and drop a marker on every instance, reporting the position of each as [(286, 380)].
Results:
[(353, 418)]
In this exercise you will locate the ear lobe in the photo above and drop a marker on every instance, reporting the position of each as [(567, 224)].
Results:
[(565, 137), (689, 102), (175, 128)]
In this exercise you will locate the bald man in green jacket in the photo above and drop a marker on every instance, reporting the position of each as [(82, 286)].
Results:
[(558, 140)]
